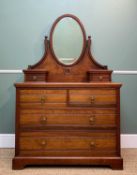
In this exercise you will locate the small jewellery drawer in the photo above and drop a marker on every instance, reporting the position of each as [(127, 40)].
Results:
[(36, 75), (70, 118), (92, 97), (99, 76), (68, 141)]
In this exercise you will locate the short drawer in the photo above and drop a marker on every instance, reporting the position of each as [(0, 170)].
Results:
[(42, 96), (35, 75), (99, 76), (75, 141), (92, 97), (69, 118), (41, 99)]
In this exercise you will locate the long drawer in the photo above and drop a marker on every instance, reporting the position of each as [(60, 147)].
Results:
[(105, 117), (61, 143)]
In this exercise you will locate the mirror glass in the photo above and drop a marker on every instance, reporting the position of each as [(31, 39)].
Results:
[(67, 41)]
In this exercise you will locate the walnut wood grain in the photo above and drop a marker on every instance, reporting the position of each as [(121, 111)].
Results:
[(35, 75), (99, 75), (70, 141), (43, 120), (68, 153), (116, 163)]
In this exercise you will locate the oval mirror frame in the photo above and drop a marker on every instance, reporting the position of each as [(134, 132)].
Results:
[(51, 38)]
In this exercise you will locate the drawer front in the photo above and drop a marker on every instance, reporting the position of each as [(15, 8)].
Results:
[(92, 97), (74, 118), (36, 77), (38, 99), (68, 141), (42, 96), (100, 78)]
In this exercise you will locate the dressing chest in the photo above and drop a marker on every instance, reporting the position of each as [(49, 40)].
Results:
[(67, 108)]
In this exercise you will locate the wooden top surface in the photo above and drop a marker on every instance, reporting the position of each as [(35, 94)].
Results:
[(62, 85)]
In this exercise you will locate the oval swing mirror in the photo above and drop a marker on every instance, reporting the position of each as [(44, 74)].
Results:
[(67, 39)]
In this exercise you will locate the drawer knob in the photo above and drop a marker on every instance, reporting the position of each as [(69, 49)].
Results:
[(43, 142), (43, 119), (100, 77), (92, 144), (92, 119), (92, 99), (34, 77), (43, 99)]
